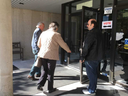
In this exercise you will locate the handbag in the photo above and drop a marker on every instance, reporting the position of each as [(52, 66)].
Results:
[(38, 62)]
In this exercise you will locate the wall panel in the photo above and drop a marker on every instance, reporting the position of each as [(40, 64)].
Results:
[(24, 23)]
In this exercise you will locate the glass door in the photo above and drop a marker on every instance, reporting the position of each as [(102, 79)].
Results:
[(106, 41), (121, 51), (72, 38), (87, 13)]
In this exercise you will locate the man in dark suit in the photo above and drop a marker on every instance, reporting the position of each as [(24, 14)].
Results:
[(92, 54)]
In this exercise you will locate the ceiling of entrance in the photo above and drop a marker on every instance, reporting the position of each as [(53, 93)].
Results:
[(54, 6), (40, 5)]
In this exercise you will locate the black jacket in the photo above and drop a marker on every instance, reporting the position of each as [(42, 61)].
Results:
[(92, 49)]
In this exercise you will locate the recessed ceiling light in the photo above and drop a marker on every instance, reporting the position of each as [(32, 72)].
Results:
[(21, 3)]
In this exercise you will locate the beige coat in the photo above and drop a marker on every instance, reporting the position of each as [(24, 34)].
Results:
[(49, 42)]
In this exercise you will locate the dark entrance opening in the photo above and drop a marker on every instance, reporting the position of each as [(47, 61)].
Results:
[(120, 37), (75, 15)]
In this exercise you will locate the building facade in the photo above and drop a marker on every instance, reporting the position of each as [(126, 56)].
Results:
[(112, 18), (18, 24)]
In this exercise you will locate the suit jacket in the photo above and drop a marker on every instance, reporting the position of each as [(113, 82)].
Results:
[(92, 49), (49, 42)]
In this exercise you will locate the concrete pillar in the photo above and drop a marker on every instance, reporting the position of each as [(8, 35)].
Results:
[(6, 84)]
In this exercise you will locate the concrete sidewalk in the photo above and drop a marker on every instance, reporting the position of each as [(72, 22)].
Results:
[(66, 81)]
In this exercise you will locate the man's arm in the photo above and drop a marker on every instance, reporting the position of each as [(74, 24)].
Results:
[(62, 44)]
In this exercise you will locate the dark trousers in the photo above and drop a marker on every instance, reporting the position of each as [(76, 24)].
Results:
[(47, 73), (104, 66), (91, 69)]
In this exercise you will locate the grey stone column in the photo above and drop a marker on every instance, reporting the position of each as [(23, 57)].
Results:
[(6, 68)]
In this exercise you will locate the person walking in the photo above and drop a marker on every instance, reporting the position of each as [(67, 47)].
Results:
[(49, 42), (92, 54), (35, 50)]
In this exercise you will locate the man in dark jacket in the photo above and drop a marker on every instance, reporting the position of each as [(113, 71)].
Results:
[(35, 49), (92, 54)]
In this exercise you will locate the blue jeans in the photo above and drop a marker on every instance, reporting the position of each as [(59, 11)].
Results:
[(91, 69), (33, 69)]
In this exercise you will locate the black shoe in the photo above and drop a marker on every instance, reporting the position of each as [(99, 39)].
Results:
[(50, 91), (39, 87)]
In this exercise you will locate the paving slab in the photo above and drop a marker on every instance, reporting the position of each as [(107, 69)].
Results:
[(66, 80)]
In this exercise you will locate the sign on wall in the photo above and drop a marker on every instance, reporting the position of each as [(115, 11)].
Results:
[(108, 10), (126, 43), (107, 25)]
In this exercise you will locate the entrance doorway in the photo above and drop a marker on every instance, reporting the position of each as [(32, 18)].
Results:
[(87, 13), (75, 15), (73, 36), (74, 24), (121, 45), (75, 31)]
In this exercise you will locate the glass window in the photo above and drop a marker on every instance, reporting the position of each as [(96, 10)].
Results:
[(121, 52), (77, 6), (105, 63), (122, 1)]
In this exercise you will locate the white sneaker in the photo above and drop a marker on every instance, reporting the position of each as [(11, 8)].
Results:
[(87, 92)]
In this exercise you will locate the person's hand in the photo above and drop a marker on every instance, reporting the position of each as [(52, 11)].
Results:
[(69, 52), (81, 61)]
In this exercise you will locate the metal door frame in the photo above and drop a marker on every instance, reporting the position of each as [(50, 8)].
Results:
[(112, 58), (63, 17), (82, 35)]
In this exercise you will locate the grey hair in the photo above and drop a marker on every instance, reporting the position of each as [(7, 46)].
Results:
[(38, 24), (54, 25)]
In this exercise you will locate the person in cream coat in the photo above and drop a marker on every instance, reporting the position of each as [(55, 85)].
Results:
[(49, 42)]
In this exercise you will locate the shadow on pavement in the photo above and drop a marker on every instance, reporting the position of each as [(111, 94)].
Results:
[(21, 82), (66, 77), (15, 68), (78, 92)]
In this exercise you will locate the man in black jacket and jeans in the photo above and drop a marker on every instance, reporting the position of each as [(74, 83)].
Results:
[(92, 54)]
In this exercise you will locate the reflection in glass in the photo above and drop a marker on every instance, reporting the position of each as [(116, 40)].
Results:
[(121, 53), (122, 1)]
